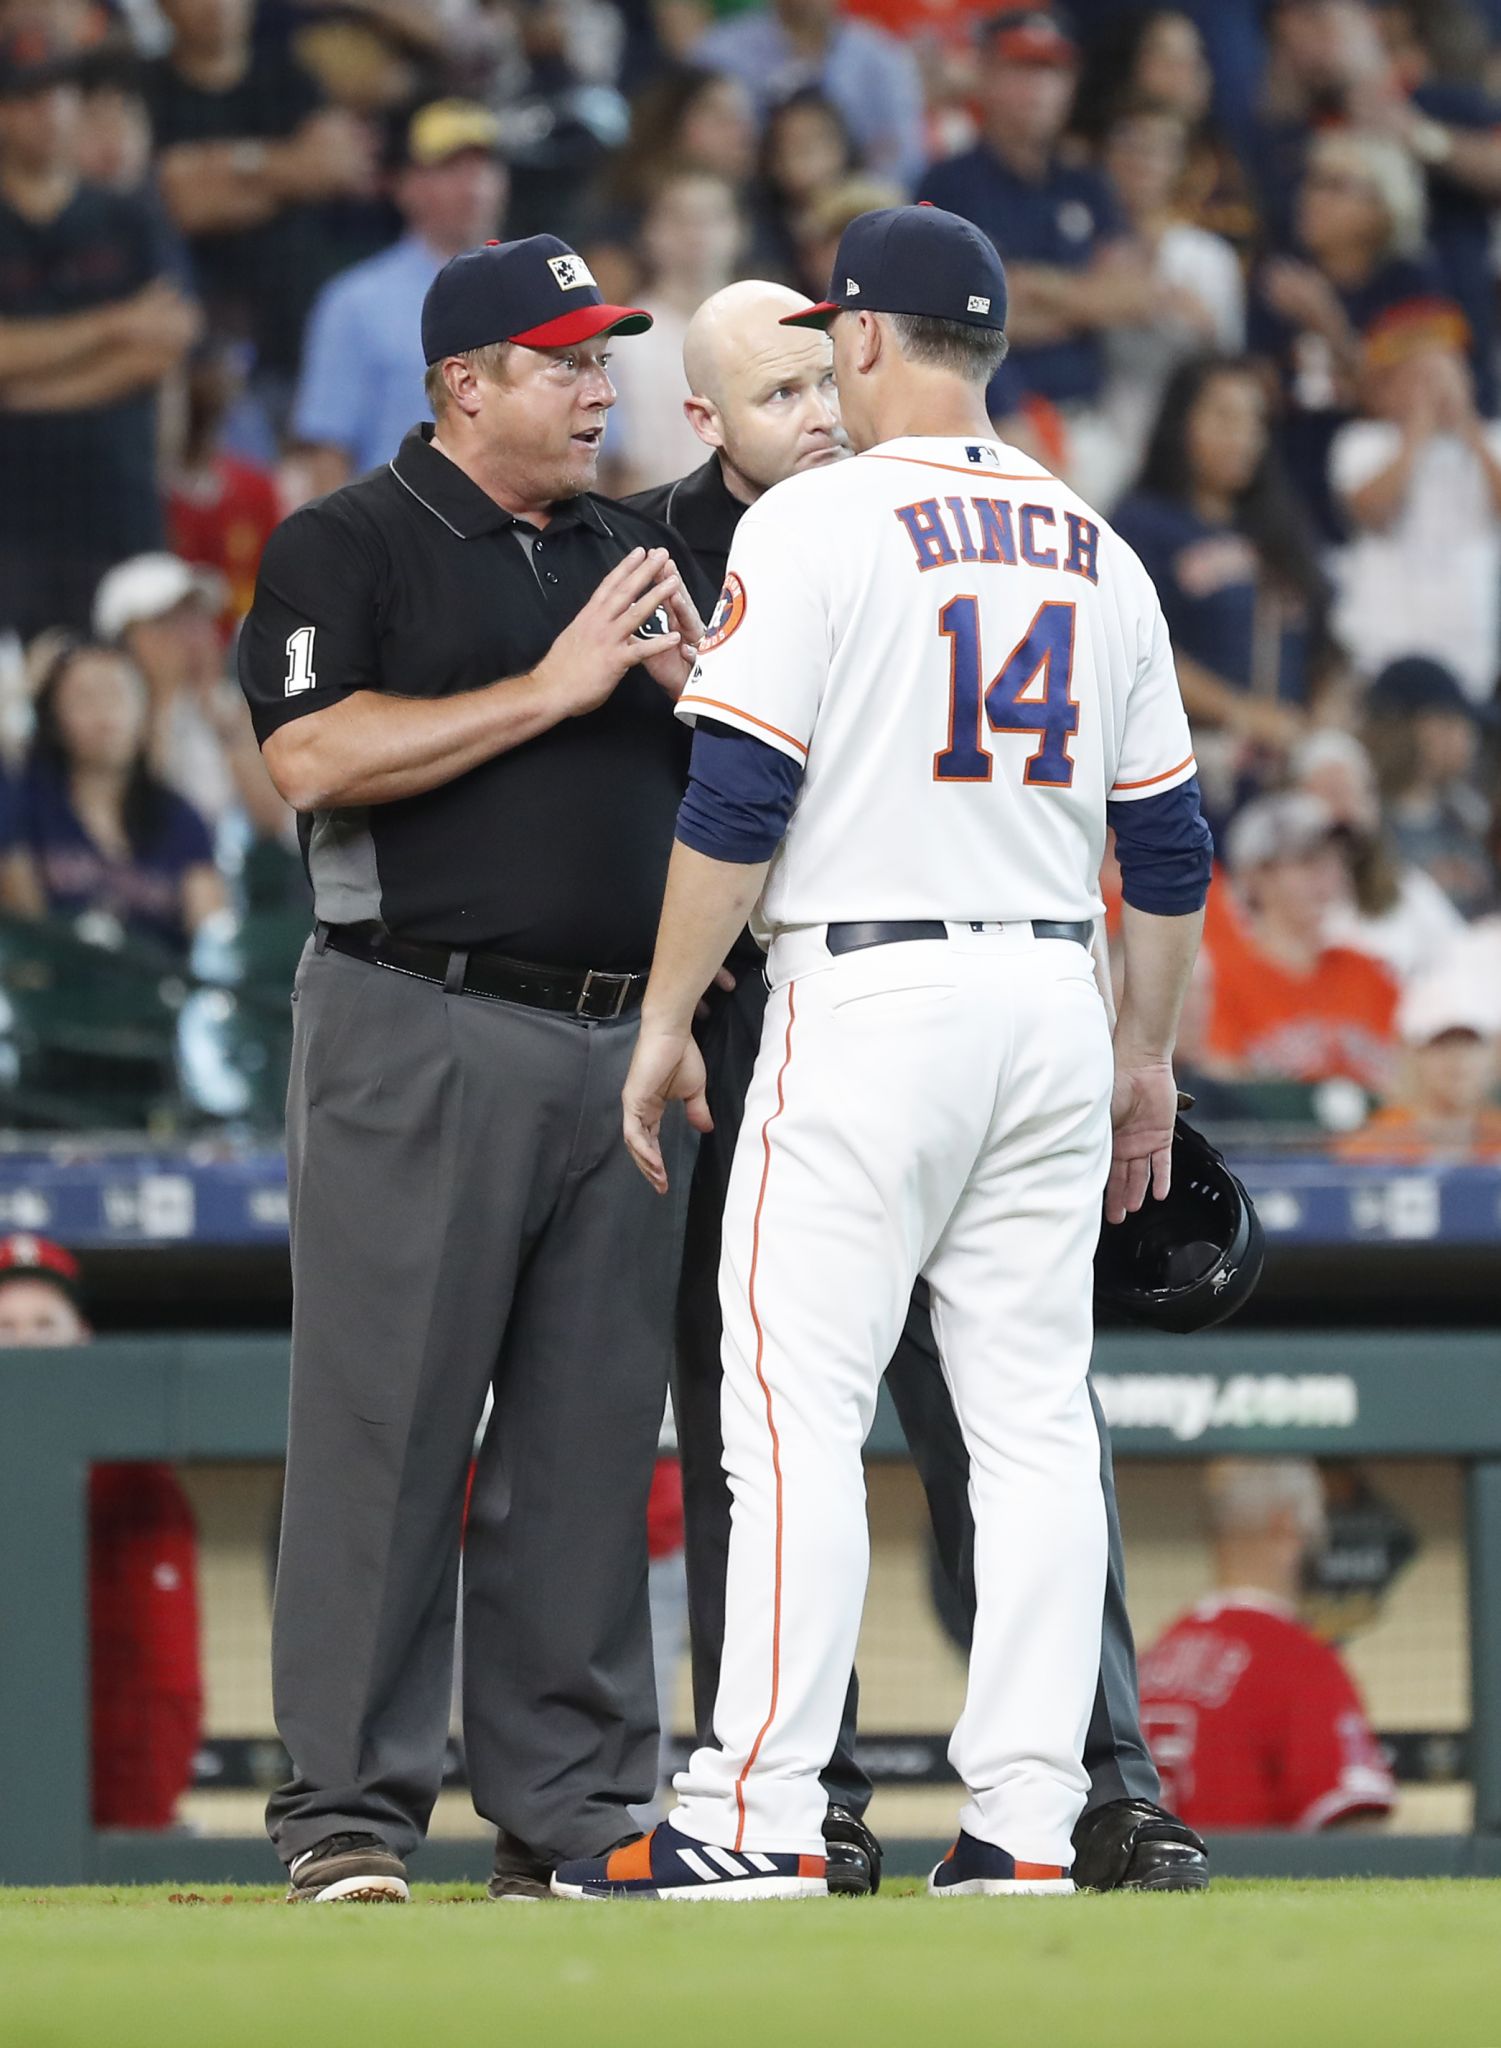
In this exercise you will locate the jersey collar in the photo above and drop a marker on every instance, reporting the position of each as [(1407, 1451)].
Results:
[(457, 501)]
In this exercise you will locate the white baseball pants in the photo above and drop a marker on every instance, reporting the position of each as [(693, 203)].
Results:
[(943, 1109)]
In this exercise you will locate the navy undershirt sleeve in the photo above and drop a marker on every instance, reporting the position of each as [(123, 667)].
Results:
[(740, 795), (1165, 850)]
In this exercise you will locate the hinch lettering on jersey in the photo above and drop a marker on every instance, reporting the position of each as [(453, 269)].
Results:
[(992, 530)]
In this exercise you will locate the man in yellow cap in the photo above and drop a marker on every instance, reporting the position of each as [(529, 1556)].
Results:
[(361, 382)]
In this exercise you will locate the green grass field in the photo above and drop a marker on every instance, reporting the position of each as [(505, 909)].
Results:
[(1340, 1965)]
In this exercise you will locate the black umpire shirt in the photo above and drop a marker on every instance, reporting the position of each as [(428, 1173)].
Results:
[(700, 509), (415, 582), (704, 514)]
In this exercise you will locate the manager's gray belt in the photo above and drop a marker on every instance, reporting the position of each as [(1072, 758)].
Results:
[(854, 938), (584, 992)]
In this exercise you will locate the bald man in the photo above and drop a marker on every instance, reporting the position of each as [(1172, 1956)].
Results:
[(762, 400)]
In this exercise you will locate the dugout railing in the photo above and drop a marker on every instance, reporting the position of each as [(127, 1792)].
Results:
[(201, 1399)]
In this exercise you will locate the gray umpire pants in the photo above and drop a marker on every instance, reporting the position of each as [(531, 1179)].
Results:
[(1115, 1754), (464, 1215)]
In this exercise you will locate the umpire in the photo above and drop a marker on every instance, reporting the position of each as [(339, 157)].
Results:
[(462, 670), (762, 400)]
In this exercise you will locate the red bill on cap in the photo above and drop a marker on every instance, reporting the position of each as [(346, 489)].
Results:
[(583, 324), (21, 1253), (1029, 39)]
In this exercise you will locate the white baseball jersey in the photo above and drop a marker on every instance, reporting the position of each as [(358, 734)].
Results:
[(966, 661)]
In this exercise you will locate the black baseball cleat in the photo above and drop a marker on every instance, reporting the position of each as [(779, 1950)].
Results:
[(853, 1853), (1130, 1845), (353, 1869), (518, 1872)]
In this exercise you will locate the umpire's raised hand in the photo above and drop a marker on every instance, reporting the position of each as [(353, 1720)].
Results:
[(589, 657)]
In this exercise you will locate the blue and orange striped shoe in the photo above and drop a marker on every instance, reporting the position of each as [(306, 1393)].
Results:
[(975, 1870), (669, 1865)]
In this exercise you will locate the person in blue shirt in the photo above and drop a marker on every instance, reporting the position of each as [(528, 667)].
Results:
[(1056, 225), (105, 836), (1233, 560), (361, 384), (871, 78)]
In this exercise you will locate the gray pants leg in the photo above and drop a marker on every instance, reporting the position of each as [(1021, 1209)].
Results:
[(451, 1202), (1115, 1755)]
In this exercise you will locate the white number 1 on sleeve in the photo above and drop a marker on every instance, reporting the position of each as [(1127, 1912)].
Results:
[(300, 672)]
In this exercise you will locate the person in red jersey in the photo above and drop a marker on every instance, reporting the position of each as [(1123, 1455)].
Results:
[(147, 1694), (1252, 1721)]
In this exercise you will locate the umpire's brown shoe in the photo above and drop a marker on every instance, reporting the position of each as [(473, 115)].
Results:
[(352, 1869), (519, 1872)]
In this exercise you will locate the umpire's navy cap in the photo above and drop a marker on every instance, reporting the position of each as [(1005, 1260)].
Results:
[(538, 292), (913, 259)]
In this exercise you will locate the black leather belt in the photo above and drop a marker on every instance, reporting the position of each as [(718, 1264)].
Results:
[(854, 938), (567, 991)]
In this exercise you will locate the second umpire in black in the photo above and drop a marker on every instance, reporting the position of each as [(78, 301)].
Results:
[(461, 670)]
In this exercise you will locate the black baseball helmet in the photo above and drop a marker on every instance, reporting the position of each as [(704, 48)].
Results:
[(1191, 1260)]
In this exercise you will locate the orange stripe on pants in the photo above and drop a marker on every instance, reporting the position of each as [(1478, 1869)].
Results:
[(771, 1424)]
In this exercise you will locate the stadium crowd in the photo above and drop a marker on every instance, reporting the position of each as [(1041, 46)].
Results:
[(1252, 256)]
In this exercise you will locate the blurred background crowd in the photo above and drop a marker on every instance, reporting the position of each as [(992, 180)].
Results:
[(1253, 257)]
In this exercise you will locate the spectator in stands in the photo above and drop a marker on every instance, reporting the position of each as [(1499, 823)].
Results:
[(1424, 736), (1070, 268), (221, 508), (685, 118), (871, 78), (1223, 539), (362, 367), (1154, 57), (115, 849), (1443, 1109), (1420, 485), (163, 614), (257, 172), (1197, 275), (691, 238), (1252, 1721), (807, 150), (117, 139), (1361, 264), (147, 1691), (1288, 1004), (1430, 98), (1392, 909), (819, 229), (91, 322)]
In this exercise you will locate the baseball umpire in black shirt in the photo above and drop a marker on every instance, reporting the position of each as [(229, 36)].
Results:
[(763, 399), (462, 671)]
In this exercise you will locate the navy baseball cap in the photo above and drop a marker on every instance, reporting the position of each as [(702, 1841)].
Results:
[(1417, 683), (538, 292), (1030, 35), (33, 59), (913, 259)]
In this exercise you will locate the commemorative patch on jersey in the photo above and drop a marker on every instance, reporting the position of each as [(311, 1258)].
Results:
[(726, 615)]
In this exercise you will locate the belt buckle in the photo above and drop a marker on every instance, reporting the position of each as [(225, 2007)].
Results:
[(621, 994)]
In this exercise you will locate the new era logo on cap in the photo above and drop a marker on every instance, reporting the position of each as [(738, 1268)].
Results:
[(918, 260)]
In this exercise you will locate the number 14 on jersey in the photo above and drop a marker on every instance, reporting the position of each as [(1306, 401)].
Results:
[(1032, 694)]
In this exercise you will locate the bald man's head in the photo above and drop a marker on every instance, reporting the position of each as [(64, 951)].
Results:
[(761, 394)]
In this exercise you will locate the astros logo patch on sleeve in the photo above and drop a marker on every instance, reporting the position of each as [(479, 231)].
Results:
[(726, 615)]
